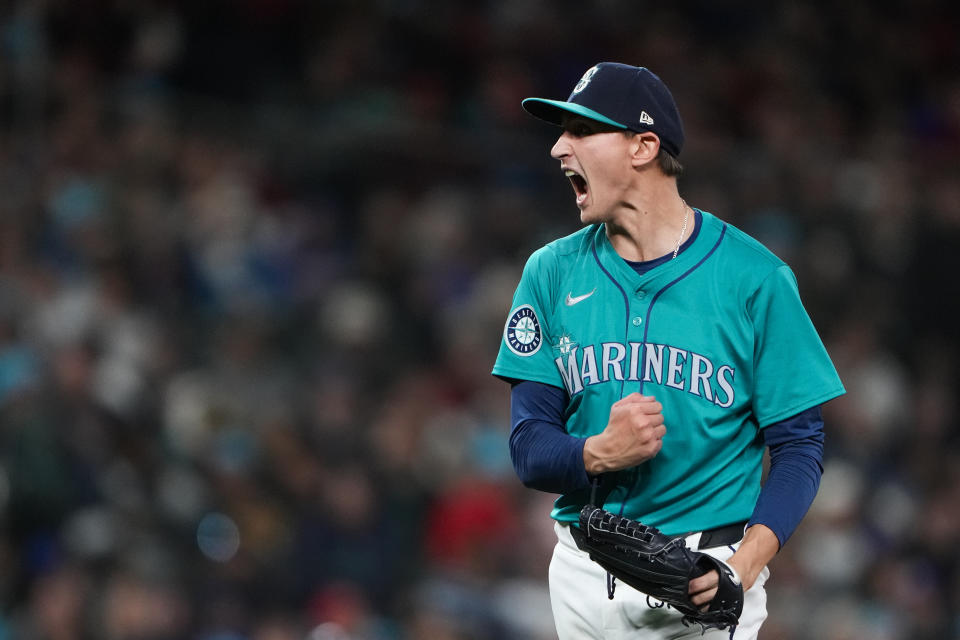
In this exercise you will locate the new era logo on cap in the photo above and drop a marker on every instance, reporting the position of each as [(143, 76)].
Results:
[(622, 96)]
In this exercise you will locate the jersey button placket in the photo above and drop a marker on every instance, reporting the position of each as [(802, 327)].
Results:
[(640, 295)]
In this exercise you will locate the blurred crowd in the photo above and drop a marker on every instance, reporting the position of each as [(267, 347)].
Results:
[(255, 260)]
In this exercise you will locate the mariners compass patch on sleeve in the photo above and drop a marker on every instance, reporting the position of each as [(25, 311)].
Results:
[(522, 332)]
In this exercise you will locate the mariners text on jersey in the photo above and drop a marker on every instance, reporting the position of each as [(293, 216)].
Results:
[(661, 364)]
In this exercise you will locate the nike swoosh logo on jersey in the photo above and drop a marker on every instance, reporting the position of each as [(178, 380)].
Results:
[(571, 300)]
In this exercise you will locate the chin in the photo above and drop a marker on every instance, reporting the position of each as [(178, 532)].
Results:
[(588, 215)]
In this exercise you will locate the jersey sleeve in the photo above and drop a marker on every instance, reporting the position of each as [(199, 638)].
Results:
[(792, 370), (526, 351)]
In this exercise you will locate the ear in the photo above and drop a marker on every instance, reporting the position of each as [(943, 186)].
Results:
[(644, 148)]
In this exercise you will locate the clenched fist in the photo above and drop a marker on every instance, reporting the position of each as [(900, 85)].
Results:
[(633, 435)]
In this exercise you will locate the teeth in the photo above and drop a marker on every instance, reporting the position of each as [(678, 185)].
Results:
[(569, 173)]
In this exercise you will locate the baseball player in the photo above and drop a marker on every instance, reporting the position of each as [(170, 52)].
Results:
[(653, 355)]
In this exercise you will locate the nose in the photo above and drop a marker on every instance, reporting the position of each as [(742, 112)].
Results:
[(561, 149)]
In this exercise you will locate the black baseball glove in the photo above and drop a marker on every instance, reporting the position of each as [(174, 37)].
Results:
[(660, 567)]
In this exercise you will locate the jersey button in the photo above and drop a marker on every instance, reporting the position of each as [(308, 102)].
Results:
[(641, 294), (637, 321)]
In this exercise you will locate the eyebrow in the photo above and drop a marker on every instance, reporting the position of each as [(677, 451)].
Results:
[(593, 125)]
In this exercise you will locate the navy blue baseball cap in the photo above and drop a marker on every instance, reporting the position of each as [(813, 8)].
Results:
[(622, 96)]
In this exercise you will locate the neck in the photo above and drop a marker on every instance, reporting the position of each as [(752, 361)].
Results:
[(650, 222)]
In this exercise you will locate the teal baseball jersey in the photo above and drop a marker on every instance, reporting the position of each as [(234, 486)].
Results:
[(718, 335)]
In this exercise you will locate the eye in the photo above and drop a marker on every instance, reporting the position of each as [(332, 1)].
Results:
[(579, 129)]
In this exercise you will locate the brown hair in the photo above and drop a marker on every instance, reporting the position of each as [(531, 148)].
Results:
[(669, 165)]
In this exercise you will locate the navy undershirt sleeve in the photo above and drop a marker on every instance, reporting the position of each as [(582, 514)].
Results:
[(796, 464), (544, 455)]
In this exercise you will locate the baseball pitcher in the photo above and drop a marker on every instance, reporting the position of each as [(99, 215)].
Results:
[(653, 355)]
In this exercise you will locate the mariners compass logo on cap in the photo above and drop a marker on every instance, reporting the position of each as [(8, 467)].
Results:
[(620, 95), (585, 80)]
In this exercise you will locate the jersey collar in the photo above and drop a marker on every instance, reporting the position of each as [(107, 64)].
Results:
[(611, 261)]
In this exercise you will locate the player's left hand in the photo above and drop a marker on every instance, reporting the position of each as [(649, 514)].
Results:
[(757, 548), (703, 590)]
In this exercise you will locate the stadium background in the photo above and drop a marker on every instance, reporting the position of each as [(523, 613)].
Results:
[(255, 257)]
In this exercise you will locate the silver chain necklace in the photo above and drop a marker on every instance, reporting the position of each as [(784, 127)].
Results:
[(683, 231)]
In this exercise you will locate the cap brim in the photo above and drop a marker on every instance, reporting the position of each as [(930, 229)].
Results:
[(553, 111)]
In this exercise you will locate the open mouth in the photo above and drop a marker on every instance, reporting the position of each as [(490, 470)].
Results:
[(579, 185)]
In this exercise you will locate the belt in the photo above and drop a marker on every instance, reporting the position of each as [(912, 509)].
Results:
[(709, 538)]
